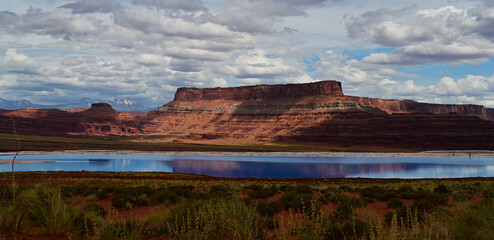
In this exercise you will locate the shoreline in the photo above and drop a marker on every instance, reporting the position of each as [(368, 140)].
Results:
[(445, 153)]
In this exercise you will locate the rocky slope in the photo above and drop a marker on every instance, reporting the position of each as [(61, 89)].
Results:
[(315, 113), (100, 119)]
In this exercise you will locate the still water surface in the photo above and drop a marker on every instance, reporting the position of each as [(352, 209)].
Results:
[(261, 166)]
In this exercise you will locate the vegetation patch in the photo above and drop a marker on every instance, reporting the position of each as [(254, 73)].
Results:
[(89, 205)]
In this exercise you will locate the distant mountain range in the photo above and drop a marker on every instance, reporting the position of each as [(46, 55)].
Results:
[(119, 104)]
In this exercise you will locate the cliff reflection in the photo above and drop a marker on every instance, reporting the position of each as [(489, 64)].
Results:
[(293, 170)]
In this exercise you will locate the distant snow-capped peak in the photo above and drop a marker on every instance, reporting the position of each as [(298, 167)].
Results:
[(125, 101)]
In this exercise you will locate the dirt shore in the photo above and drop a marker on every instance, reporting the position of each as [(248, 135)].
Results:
[(442, 154)]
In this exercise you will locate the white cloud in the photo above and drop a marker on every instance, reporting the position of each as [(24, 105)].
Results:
[(259, 16), (145, 49), (151, 60), (256, 67), (92, 6), (445, 35), (371, 80), (352, 73), (189, 5), (15, 62), (58, 23)]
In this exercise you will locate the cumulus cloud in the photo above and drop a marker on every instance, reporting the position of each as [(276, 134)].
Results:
[(15, 62), (189, 5), (372, 80), (258, 16), (447, 35), (353, 73), (59, 23), (145, 49), (77, 60), (92, 6), (256, 67), (151, 60), (471, 86)]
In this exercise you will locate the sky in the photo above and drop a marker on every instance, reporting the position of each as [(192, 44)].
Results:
[(58, 51)]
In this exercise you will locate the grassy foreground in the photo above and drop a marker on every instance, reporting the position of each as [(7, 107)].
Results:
[(8, 143), (99, 205)]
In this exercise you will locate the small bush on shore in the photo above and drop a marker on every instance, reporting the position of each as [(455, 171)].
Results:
[(395, 203)]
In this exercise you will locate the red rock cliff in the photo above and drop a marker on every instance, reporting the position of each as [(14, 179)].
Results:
[(323, 88), (410, 106), (316, 113)]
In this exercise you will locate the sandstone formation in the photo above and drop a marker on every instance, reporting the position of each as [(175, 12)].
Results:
[(314, 113), (100, 119), (325, 88)]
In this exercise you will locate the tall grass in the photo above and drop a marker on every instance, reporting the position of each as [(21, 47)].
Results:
[(209, 219), (15, 156), (475, 222), (228, 216), (123, 229), (408, 228), (12, 218), (48, 211), (242, 221)]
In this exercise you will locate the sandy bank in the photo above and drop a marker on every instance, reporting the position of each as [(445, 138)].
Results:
[(4, 161), (448, 153)]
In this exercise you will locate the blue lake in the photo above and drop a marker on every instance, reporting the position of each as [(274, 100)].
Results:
[(261, 166)]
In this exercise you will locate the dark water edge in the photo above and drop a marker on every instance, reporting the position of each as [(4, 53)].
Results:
[(261, 166)]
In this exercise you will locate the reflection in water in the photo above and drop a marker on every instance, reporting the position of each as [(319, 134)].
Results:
[(261, 166), (99, 161), (326, 170)]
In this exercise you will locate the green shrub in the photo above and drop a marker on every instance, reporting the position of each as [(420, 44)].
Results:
[(182, 191), (91, 198), (346, 188), (475, 222), (395, 203), (95, 209), (271, 223), (286, 188), (442, 189), (49, 212), (262, 193), (140, 190), (431, 202), (438, 198), (296, 201), (405, 188), (196, 196), (354, 202), (267, 209), (344, 212), (133, 229), (415, 195), (378, 193), (304, 189), (331, 189), (128, 201), (221, 192), (252, 187), (123, 201), (489, 193), (104, 193), (165, 196)]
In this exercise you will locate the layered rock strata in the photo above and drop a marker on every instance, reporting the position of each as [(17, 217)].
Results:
[(315, 113)]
